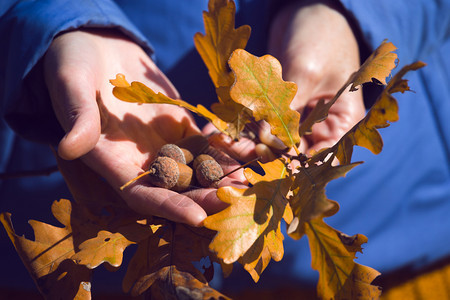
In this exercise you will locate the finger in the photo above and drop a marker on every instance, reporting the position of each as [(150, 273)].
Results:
[(207, 198), (243, 150), (209, 129), (70, 79), (228, 164), (75, 106), (263, 151), (268, 138), (164, 203), (84, 124), (118, 167)]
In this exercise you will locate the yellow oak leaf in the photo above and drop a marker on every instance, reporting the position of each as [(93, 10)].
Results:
[(333, 256), (220, 40), (268, 246), (108, 247), (137, 92), (376, 68), (365, 132), (248, 229), (260, 87), (309, 200), (235, 114)]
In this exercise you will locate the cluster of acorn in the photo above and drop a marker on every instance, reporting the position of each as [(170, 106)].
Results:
[(183, 165)]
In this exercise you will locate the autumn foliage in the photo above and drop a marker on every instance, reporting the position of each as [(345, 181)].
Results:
[(98, 226)]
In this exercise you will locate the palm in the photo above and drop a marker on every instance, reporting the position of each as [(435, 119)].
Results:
[(114, 138)]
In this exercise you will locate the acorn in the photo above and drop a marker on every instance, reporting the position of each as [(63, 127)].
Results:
[(208, 173), (188, 156), (172, 151), (199, 159), (167, 173)]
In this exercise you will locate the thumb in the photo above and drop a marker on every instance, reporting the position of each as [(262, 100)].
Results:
[(75, 106), (84, 131)]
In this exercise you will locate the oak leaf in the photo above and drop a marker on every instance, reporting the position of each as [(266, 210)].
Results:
[(249, 229), (163, 263), (259, 87), (109, 246), (365, 133), (376, 68), (309, 200), (384, 111), (340, 277), (137, 92), (46, 258), (221, 38)]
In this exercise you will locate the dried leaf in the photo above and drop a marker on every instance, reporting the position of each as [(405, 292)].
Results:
[(376, 68), (46, 257), (358, 285), (108, 247), (260, 88), (186, 287), (215, 47), (163, 262), (235, 114), (340, 277), (220, 40), (248, 229), (138, 92), (309, 200), (365, 133)]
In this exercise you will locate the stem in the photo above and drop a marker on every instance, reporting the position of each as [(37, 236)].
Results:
[(240, 167), (296, 150), (134, 179)]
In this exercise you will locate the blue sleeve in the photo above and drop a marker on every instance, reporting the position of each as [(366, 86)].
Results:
[(27, 28)]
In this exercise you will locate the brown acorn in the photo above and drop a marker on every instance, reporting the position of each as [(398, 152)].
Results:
[(208, 173), (172, 151), (167, 173), (188, 156), (199, 159)]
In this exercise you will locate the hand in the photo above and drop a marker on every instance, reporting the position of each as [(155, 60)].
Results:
[(116, 139), (319, 52)]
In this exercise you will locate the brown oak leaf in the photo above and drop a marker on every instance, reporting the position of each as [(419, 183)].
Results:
[(249, 229), (340, 277)]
